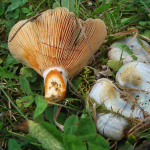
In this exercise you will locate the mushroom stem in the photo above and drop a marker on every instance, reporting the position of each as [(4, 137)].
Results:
[(55, 80)]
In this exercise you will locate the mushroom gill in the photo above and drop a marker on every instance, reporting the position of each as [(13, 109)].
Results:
[(55, 44)]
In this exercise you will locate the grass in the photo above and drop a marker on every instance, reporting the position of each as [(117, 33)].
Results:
[(21, 87)]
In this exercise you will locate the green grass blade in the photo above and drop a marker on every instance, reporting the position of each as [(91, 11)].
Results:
[(13, 104), (126, 49)]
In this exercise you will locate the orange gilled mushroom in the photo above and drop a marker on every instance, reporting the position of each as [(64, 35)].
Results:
[(56, 45)]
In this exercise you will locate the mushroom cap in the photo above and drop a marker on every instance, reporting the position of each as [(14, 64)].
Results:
[(136, 76), (107, 93), (111, 125), (135, 47), (56, 39)]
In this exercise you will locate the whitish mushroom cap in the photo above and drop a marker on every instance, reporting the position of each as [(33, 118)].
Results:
[(135, 47), (136, 75), (56, 39), (111, 126), (106, 93)]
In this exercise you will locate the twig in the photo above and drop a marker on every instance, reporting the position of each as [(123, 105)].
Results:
[(89, 47), (87, 42), (10, 113), (67, 107), (55, 118), (138, 125)]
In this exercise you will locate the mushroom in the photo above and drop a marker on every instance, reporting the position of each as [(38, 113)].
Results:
[(57, 45), (119, 111), (106, 93), (135, 47), (112, 125), (136, 76)]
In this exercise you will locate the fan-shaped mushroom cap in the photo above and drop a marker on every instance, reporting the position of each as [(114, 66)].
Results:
[(56, 39)]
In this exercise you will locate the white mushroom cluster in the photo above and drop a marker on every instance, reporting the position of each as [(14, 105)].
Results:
[(127, 99)]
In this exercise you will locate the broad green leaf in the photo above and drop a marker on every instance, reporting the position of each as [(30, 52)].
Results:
[(99, 143), (15, 4), (146, 33), (40, 118), (46, 134), (52, 130), (104, 7), (6, 74), (10, 61), (72, 142), (29, 74), (13, 145), (143, 23), (56, 4), (19, 2), (62, 117), (4, 45), (2, 8), (52, 110), (139, 27), (26, 72), (25, 101), (41, 106), (30, 7), (69, 127), (132, 139), (25, 10), (76, 82), (10, 23), (124, 145), (69, 4), (15, 15), (19, 103), (114, 64), (128, 146), (125, 48), (39, 99), (83, 116), (86, 129), (38, 85), (124, 20), (39, 110), (25, 86), (12, 7)]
